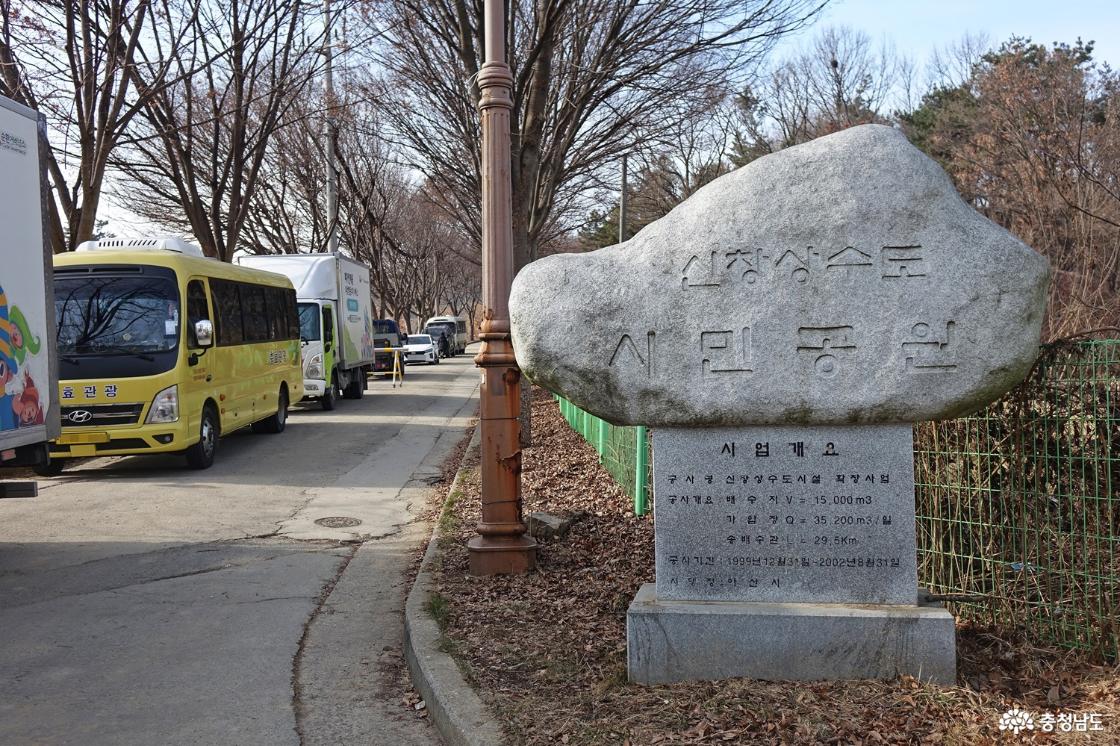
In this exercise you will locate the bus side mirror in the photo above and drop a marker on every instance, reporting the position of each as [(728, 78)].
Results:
[(204, 332)]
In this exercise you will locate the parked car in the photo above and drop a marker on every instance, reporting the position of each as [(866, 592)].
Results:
[(441, 338), (421, 348)]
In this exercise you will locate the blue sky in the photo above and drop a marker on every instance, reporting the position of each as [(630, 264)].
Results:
[(918, 26)]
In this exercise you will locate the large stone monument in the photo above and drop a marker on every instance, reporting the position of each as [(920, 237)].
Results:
[(781, 330)]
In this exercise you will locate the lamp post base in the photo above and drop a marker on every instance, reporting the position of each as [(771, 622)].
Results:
[(514, 555)]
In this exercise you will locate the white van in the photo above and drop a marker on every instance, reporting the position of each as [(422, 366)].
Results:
[(457, 326)]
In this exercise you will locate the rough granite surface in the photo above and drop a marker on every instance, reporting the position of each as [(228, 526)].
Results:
[(839, 281)]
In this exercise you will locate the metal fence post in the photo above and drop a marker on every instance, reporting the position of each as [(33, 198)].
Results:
[(641, 461)]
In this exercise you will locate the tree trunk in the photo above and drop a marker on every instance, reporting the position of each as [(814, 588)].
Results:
[(525, 154)]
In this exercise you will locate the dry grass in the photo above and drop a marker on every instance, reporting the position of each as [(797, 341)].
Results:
[(548, 651)]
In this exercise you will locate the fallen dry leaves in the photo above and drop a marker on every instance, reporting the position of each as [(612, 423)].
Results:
[(548, 650)]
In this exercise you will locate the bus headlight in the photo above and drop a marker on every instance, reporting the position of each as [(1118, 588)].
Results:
[(165, 407), (314, 368)]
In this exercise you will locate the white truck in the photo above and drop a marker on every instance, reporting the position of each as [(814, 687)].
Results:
[(335, 318), (28, 362)]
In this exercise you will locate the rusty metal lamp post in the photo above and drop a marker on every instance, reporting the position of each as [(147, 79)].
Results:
[(502, 546)]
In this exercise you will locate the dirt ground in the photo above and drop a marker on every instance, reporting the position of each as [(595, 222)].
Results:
[(548, 650)]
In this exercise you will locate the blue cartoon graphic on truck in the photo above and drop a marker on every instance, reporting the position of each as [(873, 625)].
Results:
[(19, 397), (9, 367)]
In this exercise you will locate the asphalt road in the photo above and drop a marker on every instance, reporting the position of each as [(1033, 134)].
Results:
[(142, 602)]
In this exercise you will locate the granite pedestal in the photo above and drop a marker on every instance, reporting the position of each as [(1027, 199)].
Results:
[(786, 552), (669, 641)]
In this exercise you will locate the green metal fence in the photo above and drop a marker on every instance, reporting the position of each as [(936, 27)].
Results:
[(1017, 514), (1018, 522), (623, 451)]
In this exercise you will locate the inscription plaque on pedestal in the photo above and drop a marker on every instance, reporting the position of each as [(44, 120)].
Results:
[(791, 514), (814, 514)]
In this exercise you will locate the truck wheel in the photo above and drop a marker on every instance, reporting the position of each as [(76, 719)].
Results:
[(52, 468), (357, 386), (329, 397), (201, 454), (277, 422)]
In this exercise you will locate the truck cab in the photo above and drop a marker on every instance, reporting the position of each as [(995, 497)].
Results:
[(316, 339)]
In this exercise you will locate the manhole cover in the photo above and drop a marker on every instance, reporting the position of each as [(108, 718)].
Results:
[(338, 522)]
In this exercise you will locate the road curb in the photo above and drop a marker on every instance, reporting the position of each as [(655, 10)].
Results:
[(458, 713)]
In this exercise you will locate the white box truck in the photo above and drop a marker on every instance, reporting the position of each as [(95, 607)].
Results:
[(28, 362), (335, 317)]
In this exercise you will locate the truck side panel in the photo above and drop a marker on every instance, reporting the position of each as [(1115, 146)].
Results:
[(28, 364), (355, 314)]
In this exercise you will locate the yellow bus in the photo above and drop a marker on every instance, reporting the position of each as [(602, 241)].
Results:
[(162, 350)]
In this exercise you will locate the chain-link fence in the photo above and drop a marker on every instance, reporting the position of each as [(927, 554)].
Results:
[(1017, 519), (623, 451)]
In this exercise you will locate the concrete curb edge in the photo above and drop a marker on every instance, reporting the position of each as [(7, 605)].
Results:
[(457, 711)]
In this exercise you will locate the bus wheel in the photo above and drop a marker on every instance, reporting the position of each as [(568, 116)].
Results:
[(52, 468), (329, 397), (357, 386), (277, 422), (201, 454)]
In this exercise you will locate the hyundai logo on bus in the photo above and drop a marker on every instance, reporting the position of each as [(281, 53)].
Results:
[(79, 416)]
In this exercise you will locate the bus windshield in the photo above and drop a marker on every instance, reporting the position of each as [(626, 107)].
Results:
[(309, 322), (116, 315)]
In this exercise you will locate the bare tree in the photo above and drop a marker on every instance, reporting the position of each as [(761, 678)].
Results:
[(71, 60), (691, 152), (838, 81), (199, 155), (288, 213), (463, 294), (591, 78), (953, 64)]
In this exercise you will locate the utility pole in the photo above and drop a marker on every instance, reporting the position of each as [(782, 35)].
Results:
[(622, 204), (502, 546), (332, 134)]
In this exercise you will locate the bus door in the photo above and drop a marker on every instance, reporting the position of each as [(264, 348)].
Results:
[(198, 381)]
